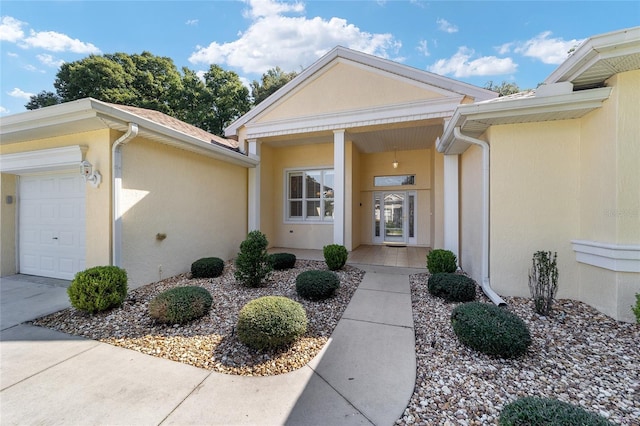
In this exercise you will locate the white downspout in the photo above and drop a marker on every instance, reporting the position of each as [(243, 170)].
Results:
[(486, 282), (116, 182)]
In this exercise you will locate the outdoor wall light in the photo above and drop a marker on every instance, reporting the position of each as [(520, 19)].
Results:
[(92, 176), (395, 160)]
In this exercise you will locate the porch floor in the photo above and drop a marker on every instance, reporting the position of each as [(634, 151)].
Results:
[(404, 257)]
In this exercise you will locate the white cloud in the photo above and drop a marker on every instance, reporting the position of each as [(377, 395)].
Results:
[(18, 93), (290, 42), (446, 26), (192, 22), (11, 29), (423, 47), (461, 64), (504, 48), (547, 49), (3, 110), (57, 42), (49, 60)]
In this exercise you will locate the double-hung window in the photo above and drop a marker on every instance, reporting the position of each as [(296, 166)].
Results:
[(310, 195)]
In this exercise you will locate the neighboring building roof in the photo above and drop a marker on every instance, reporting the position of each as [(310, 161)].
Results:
[(561, 97), (90, 114), (343, 53)]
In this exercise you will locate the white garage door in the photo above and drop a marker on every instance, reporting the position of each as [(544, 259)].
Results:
[(52, 225)]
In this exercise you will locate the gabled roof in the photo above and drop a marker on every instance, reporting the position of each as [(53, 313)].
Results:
[(90, 114), (561, 97), (343, 53)]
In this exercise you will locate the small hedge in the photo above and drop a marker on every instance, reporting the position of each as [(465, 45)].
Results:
[(280, 261), (207, 267), (180, 305), (335, 256), (439, 261), (636, 309), (271, 322), (317, 285), (531, 411), (98, 289), (452, 287), (490, 329), (252, 263)]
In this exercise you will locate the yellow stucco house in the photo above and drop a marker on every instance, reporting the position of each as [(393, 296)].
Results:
[(356, 150)]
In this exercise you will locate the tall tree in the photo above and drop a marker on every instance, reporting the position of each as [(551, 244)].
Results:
[(229, 98), (503, 89), (42, 99), (271, 81)]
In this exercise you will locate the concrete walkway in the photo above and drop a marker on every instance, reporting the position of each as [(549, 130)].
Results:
[(364, 375)]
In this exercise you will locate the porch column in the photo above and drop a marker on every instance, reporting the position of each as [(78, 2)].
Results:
[(253, 214), (451, 208), (339, 183)]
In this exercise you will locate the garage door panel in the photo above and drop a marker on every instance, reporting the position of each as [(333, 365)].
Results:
[(52, 225)]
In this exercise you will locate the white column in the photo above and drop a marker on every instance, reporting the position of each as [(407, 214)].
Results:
[(338, 190), (451, 208), (254, 188)]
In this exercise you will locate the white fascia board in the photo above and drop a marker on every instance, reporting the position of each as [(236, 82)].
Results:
[(438, 108), (615, 257), (43, 160)]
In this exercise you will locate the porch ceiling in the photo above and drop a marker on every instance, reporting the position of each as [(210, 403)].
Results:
[(371, 139)]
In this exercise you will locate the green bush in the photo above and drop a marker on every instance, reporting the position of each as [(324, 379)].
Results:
[(279, 261), (452, 287), (636, 309), (490, 329), (317, 285), (252, 263), (335, 256), (180, 305), (207, 267), (98, 289), (440, 260), (532, 411), (271, 322)]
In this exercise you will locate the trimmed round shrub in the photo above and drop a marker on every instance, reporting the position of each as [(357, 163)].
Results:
[(439, 261), (335, 256), (271, 322), (532, 411), (98, 289), (207, 267), (452, 287), (180, 305), (280, 261), (490, 329), (317, 285)]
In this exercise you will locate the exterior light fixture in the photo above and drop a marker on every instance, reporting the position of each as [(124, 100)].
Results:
[(92, 176), (395, 160)]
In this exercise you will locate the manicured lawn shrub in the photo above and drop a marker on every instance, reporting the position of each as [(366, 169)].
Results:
[(252, 263), (98, 289), (636, 309), (317, 285), (490, 329), (452, 287), (440, 260), (280, 261), (532, 411), (335, 256), (207, 267), (180, 305), (271, 322)]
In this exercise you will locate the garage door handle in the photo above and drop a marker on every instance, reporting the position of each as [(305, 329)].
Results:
[(55, 238)]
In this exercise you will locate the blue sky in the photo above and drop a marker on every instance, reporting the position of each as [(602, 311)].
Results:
[(472, 41)]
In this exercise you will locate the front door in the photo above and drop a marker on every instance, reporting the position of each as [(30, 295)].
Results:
[(394, 217)]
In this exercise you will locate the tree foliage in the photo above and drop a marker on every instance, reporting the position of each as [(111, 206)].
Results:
[(503, 89), (271, 81)]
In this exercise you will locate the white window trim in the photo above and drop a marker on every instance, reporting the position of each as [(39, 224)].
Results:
[(303, 220)]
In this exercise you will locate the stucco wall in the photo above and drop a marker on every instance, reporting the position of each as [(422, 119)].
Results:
[(470, 224), (8, 188), (199, 203), (534, 202)]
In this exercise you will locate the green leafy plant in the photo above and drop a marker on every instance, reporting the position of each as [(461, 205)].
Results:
[(534, 411), (207, 267), (490, 329), (252, 263), (543, 281), (335, 256), (271, 322), (98, 289), (180, 305), (452, 287), (317, 285), (440, 260), (636, 309), (280, 261)]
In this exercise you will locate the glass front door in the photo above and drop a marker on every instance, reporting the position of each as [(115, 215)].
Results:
[(394, 231), (393, 217)]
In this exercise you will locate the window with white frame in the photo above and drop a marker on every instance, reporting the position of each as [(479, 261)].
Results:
[(310, 195)]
